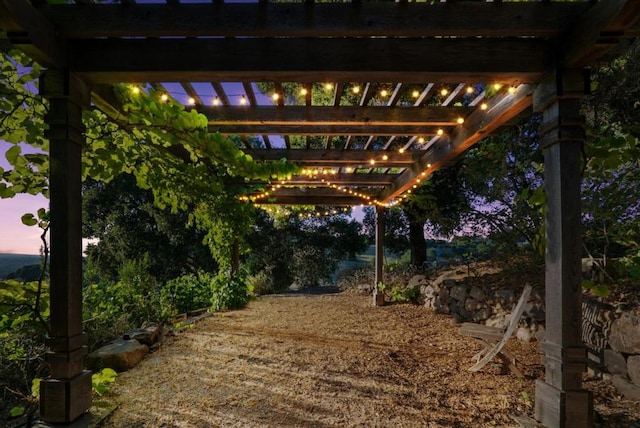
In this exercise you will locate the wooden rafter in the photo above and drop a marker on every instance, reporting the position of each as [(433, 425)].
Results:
[(462, 19), (226, 59)]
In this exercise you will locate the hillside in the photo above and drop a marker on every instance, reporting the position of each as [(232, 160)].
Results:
[(10, 263)]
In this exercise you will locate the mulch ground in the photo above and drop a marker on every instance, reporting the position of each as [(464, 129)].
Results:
[(333, 360)]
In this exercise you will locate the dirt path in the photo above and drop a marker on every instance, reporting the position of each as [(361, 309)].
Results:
[(320, 361)]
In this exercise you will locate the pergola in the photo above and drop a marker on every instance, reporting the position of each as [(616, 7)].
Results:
[(410, 85)]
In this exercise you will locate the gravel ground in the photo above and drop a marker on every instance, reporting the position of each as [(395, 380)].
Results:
[(332, 360)]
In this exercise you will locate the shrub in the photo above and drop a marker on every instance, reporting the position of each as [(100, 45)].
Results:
[(261, 283), (189, 292), (228, 292)]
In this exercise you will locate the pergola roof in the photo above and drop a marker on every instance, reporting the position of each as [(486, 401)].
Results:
[(438, 64)]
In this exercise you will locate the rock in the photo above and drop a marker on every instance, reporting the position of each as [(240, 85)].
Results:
[(524, 334), (444, 293), (537, 294), (427, 291), (465, 314), (147, 336), (498, 320), (482, 314), (459, 292), (449, 283), (472, 305), (633, 368), (626, 388), (120, 355), (625, 333), (417, 281), (533, 311), (477, 293), (505, 296), (615, 362)]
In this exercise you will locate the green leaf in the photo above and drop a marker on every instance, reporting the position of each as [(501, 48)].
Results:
[(12, 154), (29, 220), (35, 387), (16, 411)]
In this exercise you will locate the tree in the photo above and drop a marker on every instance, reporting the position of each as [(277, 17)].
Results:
[(128, 225)]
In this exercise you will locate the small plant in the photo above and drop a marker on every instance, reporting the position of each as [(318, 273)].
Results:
[(404, 295), (101, 381)]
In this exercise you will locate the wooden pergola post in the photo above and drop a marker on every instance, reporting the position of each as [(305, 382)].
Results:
[(66, 395), (378, 298), (560, 400)]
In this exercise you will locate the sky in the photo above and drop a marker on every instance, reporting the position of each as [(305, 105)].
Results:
[(15, 237)]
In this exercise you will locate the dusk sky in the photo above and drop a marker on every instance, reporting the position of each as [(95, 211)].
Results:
[(15, 237)]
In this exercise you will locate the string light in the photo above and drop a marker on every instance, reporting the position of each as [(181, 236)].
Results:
[(356, 89), (164, 97), (303, 91), (401, 150), (385, 157), (191, 101), (440, 132), (415, 93), (512, 89), (275, 96), (384, 93), (470, 89), (349, 169), (444, 92), (421, 140), (484, 106), (328, 86), (460, 121), (497, 86), (135, 90), (243, 100), (216, 101), (372, 161)]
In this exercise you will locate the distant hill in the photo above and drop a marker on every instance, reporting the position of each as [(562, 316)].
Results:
[(10, 263)]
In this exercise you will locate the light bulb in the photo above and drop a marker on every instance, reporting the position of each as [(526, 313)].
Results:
[(372, 161), (401, 150), (385, 157), (460, 121), (415, 94), (303, 91), (191, 101), (484, 106), (275, 96), (216, 101), (512, 89), (384, 93), (497, 86), (164, 97), (421, 140), (328, 86), (470, 89), (444, 92), (440, 132), (356, 89), (135, 90), (243, 100)]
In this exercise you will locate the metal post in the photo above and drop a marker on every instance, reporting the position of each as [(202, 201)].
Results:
[(560, 399), (378, 298), (66, 395)]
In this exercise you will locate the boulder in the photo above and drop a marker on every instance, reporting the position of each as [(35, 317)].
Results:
[(633, 368), (505, 296), (120, 355), (460, 292), (498, 320), (626, 388), (482, 314), (476, 293), (541, 332), (615, 362), (417, 281), (427, 291), (625, 333), (147, 336)]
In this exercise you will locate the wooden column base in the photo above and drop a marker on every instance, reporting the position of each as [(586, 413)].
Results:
[(563, 409), (64, 400), (378, 299)]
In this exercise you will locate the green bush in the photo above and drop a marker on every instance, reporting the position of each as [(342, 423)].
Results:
[(261, 283), (228, 292), (189, 292)]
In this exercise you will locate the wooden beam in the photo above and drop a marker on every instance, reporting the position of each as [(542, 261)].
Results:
[(335, 157), (251, 59), (599, 30), (462, 19), (322, 129), (334, 200), (26, 29), (346, 179), (501, 109), (326, 115)]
